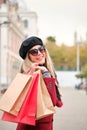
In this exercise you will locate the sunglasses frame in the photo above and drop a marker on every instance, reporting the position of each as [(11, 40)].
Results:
[(34, 52)]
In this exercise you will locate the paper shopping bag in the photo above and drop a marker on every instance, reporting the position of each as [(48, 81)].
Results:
[(27, 113), (11, 101), (16, 107), (44, 103)]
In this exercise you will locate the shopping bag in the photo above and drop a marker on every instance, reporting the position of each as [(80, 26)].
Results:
[(13, 98), (27, 113), (16, 107), (44, 103)]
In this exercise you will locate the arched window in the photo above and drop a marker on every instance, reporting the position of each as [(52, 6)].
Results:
[(25, 23), (4, 1)]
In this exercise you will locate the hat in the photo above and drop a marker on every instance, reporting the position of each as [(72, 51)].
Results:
[(27, 44)]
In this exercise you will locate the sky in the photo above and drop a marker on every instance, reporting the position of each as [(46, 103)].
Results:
[(60, 18)]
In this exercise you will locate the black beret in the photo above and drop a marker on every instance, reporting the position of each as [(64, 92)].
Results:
[(27, 44)]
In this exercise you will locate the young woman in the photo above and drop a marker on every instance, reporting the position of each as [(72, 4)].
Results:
[(36, 57)]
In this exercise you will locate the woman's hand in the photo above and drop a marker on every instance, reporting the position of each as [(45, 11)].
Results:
[(41, 68), (34, 67)]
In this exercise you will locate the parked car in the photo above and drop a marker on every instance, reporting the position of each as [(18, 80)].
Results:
[(84, 85), (78, 86)]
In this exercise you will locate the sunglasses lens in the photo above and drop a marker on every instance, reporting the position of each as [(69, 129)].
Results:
[(34, 52), (42, 49)]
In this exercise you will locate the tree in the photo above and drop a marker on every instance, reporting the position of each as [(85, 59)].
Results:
[(65, 57), (51, 39), (83, 74)]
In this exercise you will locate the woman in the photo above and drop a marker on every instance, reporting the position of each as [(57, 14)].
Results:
[(36, 57)]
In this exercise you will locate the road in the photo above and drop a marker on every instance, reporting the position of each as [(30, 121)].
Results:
[(72, 116)]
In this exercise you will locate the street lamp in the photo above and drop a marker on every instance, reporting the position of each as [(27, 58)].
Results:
[(78, 57), (3, 23)]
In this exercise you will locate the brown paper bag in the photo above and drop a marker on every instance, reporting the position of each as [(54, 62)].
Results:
[(11, 101), (16, 107), (44, 103)]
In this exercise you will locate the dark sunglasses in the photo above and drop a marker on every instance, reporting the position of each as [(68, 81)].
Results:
[(34, 52)]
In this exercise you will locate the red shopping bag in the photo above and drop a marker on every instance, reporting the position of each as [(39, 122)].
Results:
[(27, 112)]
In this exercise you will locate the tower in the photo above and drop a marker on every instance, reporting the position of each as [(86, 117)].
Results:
[(75, 37)]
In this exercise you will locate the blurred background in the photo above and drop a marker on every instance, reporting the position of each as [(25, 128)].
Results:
[(62, 27)]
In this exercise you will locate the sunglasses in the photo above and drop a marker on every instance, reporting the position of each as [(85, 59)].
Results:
[(34, 52)]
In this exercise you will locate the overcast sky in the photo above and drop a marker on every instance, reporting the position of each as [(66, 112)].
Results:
[(60, 18)]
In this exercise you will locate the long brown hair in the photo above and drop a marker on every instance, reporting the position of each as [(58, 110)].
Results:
[(26, 64), (48, 64)]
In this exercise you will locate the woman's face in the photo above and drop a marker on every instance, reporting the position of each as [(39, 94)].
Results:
[(37, 54)]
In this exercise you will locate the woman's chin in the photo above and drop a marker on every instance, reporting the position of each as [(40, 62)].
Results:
[(41, 63)]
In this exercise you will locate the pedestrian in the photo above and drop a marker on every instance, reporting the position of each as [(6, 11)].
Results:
[(36, 57)]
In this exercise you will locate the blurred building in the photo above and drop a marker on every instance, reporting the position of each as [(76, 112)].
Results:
[(16, 23)]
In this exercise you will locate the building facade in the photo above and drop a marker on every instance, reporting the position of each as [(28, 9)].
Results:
[(16, 23)]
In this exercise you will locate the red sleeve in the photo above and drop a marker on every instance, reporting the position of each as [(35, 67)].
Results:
[(50, 83)]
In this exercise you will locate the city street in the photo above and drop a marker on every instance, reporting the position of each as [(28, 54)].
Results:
[(72, 116)]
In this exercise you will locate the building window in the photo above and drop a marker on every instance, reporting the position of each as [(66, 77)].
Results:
[(4, 1), (25, 23)]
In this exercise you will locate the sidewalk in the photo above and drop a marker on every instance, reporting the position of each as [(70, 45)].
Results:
[(72, 116)]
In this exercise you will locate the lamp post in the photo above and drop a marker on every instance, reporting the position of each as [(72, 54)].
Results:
[(78, 57), (3, 23), (78, 54)]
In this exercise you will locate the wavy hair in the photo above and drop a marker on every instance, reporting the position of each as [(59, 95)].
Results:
[(26, 64)]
